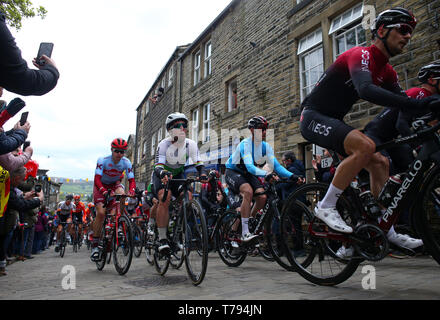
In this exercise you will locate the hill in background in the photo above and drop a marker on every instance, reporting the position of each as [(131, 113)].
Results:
[(81, 187)]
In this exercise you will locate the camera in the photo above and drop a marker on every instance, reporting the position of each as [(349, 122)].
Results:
[(37, 188)]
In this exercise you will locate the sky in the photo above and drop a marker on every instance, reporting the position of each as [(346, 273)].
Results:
[(109, 53)]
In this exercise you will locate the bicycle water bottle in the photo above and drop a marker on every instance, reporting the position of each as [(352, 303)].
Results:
[(389, 190)]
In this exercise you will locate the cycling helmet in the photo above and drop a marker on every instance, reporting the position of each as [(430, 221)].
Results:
[(258, 122), (430, 70), (119, 143), (69, 197), (77, 197), (389, 18), (214, 174), (90, 205), (173, 117)]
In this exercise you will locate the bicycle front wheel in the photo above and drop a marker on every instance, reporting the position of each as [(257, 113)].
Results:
[(228, 239), (314, 258), (123, 245), (62, 243), (137, 241), (101, 263), (195, 240)]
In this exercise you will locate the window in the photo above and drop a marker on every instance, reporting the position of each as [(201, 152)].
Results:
[(208, 64), (311, 61), (147, 107), (195, 125), (196, 68), (232, 95), (347, 31), (162, 83), (159, 135), (145, 149), (206, 116), (153, 144), (139, 155), (170, 75)]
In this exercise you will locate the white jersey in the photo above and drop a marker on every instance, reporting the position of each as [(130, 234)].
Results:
[(66, 209)]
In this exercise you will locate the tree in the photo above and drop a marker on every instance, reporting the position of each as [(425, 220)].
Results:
[(15, 10)]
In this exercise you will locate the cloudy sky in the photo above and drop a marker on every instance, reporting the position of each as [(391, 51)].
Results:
[(108, 52)]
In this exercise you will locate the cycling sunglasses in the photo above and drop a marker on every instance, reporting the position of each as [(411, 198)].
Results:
[(119, 151), (402, 28), (179, 125)]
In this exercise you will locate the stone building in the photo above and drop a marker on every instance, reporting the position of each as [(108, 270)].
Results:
[(263, 57)]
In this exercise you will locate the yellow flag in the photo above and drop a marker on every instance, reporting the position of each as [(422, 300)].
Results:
[(67, 180)]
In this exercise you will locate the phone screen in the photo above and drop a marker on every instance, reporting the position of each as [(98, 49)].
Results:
[(23, 118), (46, 49)]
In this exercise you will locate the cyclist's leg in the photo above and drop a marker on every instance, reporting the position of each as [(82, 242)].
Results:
[(162, 217)]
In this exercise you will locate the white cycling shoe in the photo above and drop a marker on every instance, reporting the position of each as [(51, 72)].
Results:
[(333, 219), (344, 253), (403, 240)]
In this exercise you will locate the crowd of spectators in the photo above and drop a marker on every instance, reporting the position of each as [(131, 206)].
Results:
[(23, 218)]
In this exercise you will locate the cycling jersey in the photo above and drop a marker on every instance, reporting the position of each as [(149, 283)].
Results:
[(65, 209), (80, 210), (107, 172), (175, 156), (247, 155), (360, 72)]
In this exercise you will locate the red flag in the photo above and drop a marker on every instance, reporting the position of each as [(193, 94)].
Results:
[(31, 169)]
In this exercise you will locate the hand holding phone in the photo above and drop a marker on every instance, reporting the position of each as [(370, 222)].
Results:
[(45, 49), (23, 118), (37, 188), (26, 144)]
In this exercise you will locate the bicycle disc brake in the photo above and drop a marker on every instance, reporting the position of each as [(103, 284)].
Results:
[(370, 242)]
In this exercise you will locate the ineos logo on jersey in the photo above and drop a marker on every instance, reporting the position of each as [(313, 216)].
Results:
[(365, 60), (319, 128)]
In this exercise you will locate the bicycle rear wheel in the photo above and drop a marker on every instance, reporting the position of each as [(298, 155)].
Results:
[(62, 243), (427, 215), (178, 254), (137, 241), (195, 240), (101, 263), (312, 257), (274, 241), (149, 247), (123, 245), (228, 239), (161, 261)]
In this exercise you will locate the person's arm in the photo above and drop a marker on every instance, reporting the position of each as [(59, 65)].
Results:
[(11, 140), (15, 76), (248, 160), (98, 174), (21, 204), (11, 162), (273, 162), (358, 64), (130, 177)]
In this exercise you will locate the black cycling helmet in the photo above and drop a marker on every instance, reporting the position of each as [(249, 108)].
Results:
[(69, 197), (430, 70), (390, 18), (258, 122)]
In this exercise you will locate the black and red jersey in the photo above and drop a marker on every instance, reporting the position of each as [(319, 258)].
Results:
[(360, 72)]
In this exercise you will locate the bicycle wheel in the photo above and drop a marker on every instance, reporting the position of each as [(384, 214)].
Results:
[(228, 239), (312, 257), (137, 241), (195, 240), (75, 239), (178, 254), (427, 215), (102, 239), (62, 243), (161, 262), (149, 241), (123, 245)]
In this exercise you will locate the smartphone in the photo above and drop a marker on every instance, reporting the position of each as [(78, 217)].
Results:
[(23, 118), (46, 49), (26, 144), (37, 188)]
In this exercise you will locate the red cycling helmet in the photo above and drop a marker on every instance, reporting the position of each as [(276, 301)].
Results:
[(119, 143), (77, 197), (258, 122)]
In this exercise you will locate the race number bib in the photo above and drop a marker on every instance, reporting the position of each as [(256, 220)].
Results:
[(326, 162)]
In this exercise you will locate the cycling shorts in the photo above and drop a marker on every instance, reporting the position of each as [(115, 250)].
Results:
[(98, 197), (324, 131), (77, 217), (235, 179), (63, 218), (173, 185)]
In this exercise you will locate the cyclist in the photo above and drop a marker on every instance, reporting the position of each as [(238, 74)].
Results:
[(107, 177), (64, 212), (152, 202), (77, 217), (242, 173), (210, 193), (172, 155), (360, 72), (88, 219)]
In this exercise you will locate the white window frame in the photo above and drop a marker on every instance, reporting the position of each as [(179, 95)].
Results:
[(346, 18), (162, 82), (147, 106), (159, 135), (144, 152), (309, 86), (197, 58), (337, 36), (208, 60), (153, 143), (206, 124), (230, 95), (195, 125), (170, 75), (139, 154), (309, 41)]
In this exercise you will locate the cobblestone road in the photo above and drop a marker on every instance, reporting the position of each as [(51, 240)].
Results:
[(255, 279)]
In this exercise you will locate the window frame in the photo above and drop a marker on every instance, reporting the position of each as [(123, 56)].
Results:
[(197, 62), (153, 144), (301, 69), (206, 122), (208, 59), (171, 75), (195, 125), (336, 36)]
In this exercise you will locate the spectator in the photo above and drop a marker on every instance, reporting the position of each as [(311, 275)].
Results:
[(19, 203), (323, 174), (296, 167), (40, 227), (15, 159), (15, 76)]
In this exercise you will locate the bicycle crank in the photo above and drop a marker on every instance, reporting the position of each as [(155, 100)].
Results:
[(370, 242)]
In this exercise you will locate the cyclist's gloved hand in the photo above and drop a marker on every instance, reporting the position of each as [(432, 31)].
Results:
[(270, 176), (164, 173), (103, 190)]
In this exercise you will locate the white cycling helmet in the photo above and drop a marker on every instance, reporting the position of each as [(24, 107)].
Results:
[(173, 117)]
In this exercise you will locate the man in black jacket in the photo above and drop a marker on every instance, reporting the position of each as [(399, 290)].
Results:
[(15, 76)]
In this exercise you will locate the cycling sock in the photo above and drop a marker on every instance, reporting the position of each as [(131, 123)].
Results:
[(331, 197), (162, 233), (244, 226)]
